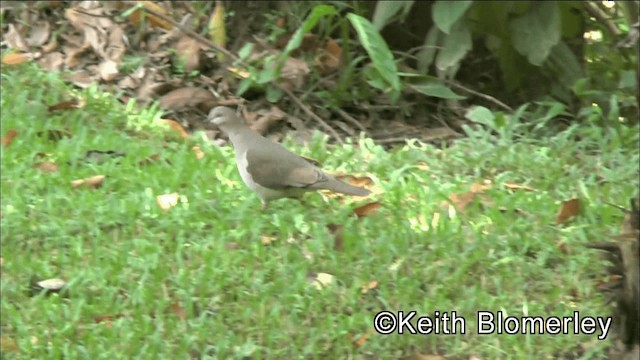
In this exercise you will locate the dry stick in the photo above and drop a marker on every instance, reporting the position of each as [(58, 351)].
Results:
[(484, 96), (314, 116), (210, 44), (602, 17), (351, 119)]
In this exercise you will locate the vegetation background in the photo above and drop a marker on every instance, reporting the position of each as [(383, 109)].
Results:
[(500, 140)]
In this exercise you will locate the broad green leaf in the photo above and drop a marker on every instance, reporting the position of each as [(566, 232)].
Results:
[(377, 49), (447, 13), (386, 10), (274, 94), (426, 55), (245, 51), (436, 89), (481, 115), (318, 12), (535, 33), (455, 46)]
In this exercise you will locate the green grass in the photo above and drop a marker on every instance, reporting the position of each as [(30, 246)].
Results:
[(124, 257)]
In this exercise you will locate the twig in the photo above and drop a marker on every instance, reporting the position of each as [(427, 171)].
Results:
[(602, 17), (484, 96), (351, 119), (306, 109), (211, 45)]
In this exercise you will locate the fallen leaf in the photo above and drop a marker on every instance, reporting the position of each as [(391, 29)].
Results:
[(175, 126), (15, 58), (8, 345), (368, 287), (199, 153), (217, 31), (359, 181), (15, 40), (321, 280), (108, 70), (367, 209), (418, 356), (188, 97), (568, 210), (514, 186), (7, 139), (360, 340), (48, 286), (154, 20), (479, 188), (65, 105), (167, 201), (330, 59), (52, 61), (267, 240), (178, 310), (149, 160), (188, 51), (46, 166), (93, 182), (40, 33)]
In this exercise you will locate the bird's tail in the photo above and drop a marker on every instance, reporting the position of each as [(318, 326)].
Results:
[(344, 188)]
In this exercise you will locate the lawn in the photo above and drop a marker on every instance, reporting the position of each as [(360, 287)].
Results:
[(217, 277)]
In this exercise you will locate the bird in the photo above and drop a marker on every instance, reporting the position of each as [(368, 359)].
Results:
[(269, 169)]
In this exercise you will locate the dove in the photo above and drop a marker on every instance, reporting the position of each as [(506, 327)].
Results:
[(269, 169)]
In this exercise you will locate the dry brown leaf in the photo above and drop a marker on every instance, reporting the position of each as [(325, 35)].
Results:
[(568, 210), (360, 340), (7, 139), (52, 61), (178, 310), (359, 181), (514, 186), (40, 33), (155, 21), (108, 70), (199, 153), (8, 345), (294, 73), (418, 356), (217, 30), (65, 105), (479, 188), (149, 160), (46, 166), (81, 79), (320, 280), (330, 60), (367, 209), (188, 51), (188, 97), (15, 40), (15, 58), (173, 125), (268, 119), (562, 246), (167, 201), (92, 182), (461, 201), (368, 287), (267, 240)]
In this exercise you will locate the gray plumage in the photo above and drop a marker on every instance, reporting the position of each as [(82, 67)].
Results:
[(268, 168)]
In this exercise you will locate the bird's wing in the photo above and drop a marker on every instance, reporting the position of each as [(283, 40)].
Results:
[(285, 172)]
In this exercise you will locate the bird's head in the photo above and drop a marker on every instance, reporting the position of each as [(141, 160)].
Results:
[(223, 117)]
